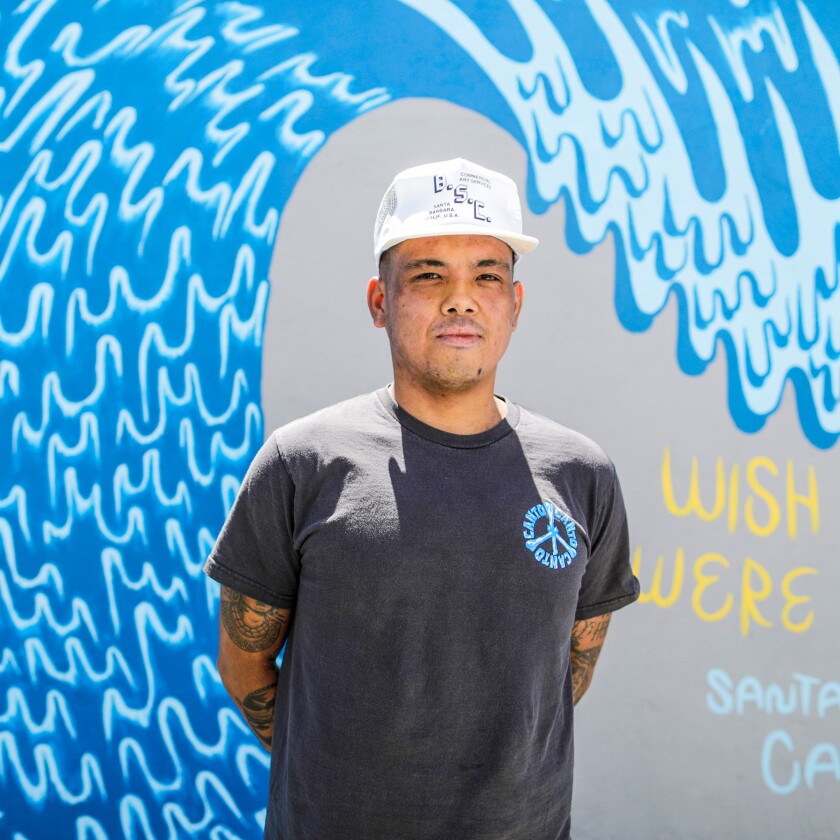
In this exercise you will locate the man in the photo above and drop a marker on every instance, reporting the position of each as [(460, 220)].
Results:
[(443, 562)]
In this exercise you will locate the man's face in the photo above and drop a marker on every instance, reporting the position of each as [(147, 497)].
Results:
[(449, 305)]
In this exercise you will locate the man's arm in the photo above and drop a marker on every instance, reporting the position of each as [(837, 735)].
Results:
[(251, 634), (587, 640)]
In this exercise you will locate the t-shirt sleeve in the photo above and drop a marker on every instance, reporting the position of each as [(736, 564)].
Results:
[(608, 582), (254, 553)]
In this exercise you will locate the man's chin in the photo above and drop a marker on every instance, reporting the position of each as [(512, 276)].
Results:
[(454, 382)]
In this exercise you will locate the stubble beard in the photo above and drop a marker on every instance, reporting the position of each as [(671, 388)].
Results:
[(453, 382), (445, 379), (448, 375)]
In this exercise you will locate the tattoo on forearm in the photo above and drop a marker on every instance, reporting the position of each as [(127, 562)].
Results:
[(592, 630), (251, 625), (258, 708), (587, 641), (583, 667)]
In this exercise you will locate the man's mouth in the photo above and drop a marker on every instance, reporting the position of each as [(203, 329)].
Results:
[(459, 339), (459, 335)]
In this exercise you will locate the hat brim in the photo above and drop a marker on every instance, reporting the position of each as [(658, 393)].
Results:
[(519, 243)]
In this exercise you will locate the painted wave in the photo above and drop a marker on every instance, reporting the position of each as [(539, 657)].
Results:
[(679, 159), (146, 157)]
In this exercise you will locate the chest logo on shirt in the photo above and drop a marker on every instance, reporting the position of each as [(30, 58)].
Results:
[(550, 535)]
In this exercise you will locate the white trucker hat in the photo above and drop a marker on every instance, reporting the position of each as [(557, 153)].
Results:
[(449, 198)]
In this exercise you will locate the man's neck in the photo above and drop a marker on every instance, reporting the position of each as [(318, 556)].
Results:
[(463, 413)]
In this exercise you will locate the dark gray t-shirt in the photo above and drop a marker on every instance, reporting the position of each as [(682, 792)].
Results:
[(426, 689)]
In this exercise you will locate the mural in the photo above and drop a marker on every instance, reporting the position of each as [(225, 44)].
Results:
[(147, 151)]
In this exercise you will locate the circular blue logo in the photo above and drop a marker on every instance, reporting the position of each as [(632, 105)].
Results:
[(550, 535)]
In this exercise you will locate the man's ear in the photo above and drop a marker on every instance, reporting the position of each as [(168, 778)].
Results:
[(376, 301), (519, 293)]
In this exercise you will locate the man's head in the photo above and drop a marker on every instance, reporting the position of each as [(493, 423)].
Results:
[(447, 235)]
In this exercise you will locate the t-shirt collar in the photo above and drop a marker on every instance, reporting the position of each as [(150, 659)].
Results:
[(424, 430)]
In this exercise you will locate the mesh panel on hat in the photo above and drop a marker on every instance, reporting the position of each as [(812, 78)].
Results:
[(386, 208)]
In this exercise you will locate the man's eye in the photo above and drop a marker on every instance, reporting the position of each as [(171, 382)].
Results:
[(492, 277)]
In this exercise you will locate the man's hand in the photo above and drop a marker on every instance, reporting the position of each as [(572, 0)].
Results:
[(251, 634), (587, 640)]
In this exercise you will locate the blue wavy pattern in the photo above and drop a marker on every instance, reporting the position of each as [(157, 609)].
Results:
[(146, 159), (681, 163), (147, 153)]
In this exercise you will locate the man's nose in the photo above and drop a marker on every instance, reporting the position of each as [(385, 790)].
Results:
[(459, 298)]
